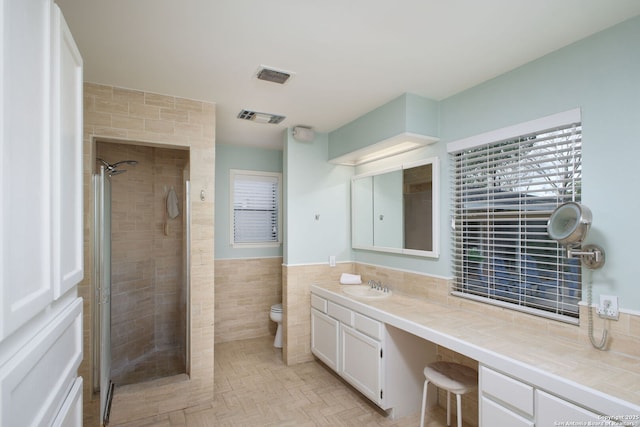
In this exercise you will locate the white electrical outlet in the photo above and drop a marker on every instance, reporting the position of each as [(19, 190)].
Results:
[(332, 261), (608, 307)]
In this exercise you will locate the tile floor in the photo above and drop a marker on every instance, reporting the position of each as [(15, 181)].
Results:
[(253, 387)]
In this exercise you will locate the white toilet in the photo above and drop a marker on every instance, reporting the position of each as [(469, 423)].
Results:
[(276, 316)]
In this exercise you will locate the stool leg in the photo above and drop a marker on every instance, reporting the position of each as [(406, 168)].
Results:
[(448, 409), (424, 402), (459, 408)]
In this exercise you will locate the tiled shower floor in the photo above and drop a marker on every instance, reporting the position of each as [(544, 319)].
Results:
[(151, 366)]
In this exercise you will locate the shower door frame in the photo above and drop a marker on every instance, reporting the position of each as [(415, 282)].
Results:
[(102, 293)]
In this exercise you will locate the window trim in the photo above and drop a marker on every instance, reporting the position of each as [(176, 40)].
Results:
[(233, 173), (535, 126)]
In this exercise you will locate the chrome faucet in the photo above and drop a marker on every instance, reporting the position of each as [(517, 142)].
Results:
[(377, 286)]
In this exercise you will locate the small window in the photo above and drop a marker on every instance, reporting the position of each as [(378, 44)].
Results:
[(255, 201), (506, 184)]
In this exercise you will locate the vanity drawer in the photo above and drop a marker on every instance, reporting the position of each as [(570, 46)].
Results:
[(367, 326), (506, 389), (319, 303), (340, 313), (492, 414)]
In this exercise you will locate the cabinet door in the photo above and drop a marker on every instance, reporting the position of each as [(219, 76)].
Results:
[(25, 168), (324, 338), (553, 411), (361, 363), (66, 155)]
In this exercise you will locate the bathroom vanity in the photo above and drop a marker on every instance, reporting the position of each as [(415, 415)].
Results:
[(382, 362), (525, 378)]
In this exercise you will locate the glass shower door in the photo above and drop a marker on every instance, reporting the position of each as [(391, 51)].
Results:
[(102, 292)]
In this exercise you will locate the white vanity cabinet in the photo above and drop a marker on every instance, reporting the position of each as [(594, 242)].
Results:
[(354, 355), (505, 400), (380, 361)]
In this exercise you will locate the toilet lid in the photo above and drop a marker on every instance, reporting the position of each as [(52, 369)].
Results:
[(276, 308)]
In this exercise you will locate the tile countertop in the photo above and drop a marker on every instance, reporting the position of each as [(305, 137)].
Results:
[(606, 382)]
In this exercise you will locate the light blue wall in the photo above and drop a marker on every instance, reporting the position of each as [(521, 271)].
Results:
[(246, 158), (601, 75), (406, 113), (315, 187)]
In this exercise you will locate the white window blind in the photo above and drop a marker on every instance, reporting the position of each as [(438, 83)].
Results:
[(503, 194), (256, 207)]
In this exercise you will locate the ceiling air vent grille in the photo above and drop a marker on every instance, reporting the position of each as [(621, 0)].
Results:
[(273, 75), (255, 116)]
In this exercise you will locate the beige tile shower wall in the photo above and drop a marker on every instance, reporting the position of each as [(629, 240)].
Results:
[(132, 263), (245, 291), (167, 251), (297, 281), (138, 117)]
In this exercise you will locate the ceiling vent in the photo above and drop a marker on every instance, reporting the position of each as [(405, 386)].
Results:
[(257, 117), (272, 75)]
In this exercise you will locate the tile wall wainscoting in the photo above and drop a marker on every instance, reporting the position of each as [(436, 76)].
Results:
[(296, 306), (245, 291), (114, 114)]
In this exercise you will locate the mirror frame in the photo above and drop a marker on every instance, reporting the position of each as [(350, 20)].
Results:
[(435, 179)]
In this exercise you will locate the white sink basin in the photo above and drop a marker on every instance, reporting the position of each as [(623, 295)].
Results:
[(365, 291)]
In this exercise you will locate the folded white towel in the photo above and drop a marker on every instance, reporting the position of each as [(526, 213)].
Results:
[(350, 279)]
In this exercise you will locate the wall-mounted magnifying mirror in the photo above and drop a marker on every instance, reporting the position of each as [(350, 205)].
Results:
[(569, 224)]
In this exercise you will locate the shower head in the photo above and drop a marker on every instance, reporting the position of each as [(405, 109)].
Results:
[(125, 162), (112, 168)]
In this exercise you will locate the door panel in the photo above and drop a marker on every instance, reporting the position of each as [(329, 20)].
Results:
[(324, 338), (25, 170), (361, 362), (35, 383), (66, 155)]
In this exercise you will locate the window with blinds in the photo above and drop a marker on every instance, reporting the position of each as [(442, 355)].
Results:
[(255, 200), (504, 191)]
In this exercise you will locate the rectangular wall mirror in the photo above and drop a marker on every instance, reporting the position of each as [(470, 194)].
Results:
[(396, 210)]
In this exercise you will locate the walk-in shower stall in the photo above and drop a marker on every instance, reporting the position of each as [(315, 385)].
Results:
[(141, 261)]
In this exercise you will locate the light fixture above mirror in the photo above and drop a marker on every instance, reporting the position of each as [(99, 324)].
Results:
[(398, 144)]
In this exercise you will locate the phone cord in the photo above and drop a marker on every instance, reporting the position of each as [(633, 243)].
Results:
[(603, 341)]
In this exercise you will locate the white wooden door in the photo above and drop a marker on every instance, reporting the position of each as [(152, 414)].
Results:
[(361, 363), (25, 172), (40, 217)]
